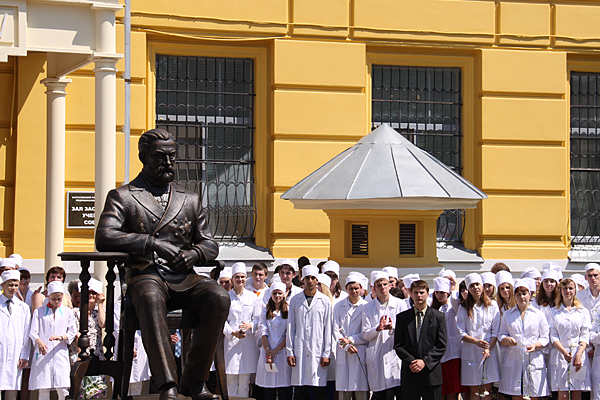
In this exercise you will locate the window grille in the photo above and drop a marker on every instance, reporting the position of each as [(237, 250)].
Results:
[(360, 239), (585, 158), (408, 239), (208, 104), (424, 105)]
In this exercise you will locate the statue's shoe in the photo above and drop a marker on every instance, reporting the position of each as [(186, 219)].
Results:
[(168, 394), (196, 390)]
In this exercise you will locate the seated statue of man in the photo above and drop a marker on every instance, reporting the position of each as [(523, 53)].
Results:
[(164, 229)]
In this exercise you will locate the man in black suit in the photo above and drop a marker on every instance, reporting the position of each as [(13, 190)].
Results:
[(420, 342), (164, 229)]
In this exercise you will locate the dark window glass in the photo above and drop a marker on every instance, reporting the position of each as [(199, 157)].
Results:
[(585, 158), (208, 105), (424, 104)]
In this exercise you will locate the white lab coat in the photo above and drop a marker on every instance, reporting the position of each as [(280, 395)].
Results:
[(570, 327), (484, 325), (275, 330), (383, 364), (52, 370), (140, 368), (350, 371), (241, 355), (520, 369), (593, 306), (14, 341), (309, 338), (453, 336)]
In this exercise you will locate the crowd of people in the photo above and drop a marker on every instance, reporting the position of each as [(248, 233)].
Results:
[(303, 334)]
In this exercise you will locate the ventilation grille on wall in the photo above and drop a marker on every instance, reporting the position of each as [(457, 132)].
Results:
[(408, 239), (360, 239)]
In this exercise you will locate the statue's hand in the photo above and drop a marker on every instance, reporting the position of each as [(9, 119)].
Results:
[(184, 261), (165, 250)]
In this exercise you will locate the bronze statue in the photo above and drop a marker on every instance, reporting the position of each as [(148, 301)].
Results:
[(164, 229)]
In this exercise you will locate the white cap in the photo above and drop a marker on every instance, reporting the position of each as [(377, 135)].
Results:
[(391, 271), (238, 268), (489, 278), (11, 274), (18, 258), (531, 283), (522, 283), (587, 267), (290, 262), (225, 273), (580, 280), (324, 280), (377, 275), (550, 266), (504, 277), (93, 285), (409, 279), (275, 278), (531, 272), (8, 262), (355, 277), (331, 266), (23, 269), (310, 270), (551, 274), (441, 285), (56, 287), (473, 278), (278, 286), (444, 273)]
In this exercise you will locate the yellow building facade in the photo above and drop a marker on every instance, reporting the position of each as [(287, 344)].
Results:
[(312, 72)]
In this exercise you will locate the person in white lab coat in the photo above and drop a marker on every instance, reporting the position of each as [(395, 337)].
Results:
[(351, 349), (15, 317), (272, 329), (52, 330), (378, 322), (478, 321), (309, 337), (569, 333), (241, 352), (590, 299), (524, 332)]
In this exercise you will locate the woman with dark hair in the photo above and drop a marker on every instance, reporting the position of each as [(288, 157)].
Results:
[(272, 328), (478, 322), (38, 299)]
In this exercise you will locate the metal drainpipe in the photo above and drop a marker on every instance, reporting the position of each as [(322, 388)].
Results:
[(127, 77)]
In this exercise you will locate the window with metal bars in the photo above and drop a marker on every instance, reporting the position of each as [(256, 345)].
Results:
[(585, 158), (407, 243), (207, 104), (424, 105), (360, 240)]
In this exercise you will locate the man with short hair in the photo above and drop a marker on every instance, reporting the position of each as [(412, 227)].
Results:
[(260, 273), (591, 300), (164, 228), (378, 321), (286, 273), (308, 339), (420, 342)]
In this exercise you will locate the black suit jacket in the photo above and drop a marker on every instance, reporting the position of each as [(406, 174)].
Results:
[(430, 348), (132, 219)]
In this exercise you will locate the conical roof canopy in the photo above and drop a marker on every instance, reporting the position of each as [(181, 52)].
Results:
[(384, 170)]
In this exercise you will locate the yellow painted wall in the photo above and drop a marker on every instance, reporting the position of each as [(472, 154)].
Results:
[(313, 84)]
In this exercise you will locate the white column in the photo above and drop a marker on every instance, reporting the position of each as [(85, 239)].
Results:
[(55, 170), (105, 59)]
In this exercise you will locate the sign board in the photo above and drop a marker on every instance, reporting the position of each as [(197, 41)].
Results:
[(80, 210)]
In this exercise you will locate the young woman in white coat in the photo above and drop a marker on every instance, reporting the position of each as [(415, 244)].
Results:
[(590, 299), (524, 332), (569, 333), (478, 322), (451, 360), (272, 328), (52, 330), (241, 352), (351, 370)]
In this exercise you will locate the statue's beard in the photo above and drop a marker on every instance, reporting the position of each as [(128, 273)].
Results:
[(163, 175)]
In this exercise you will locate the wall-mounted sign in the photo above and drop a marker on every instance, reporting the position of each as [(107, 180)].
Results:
[(80, 210)]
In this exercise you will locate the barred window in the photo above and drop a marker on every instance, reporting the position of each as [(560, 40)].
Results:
[(424, 105), (585, 158), (207, 103)]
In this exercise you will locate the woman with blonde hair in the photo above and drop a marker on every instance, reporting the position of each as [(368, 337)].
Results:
[(505, 296), (569, 333)]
